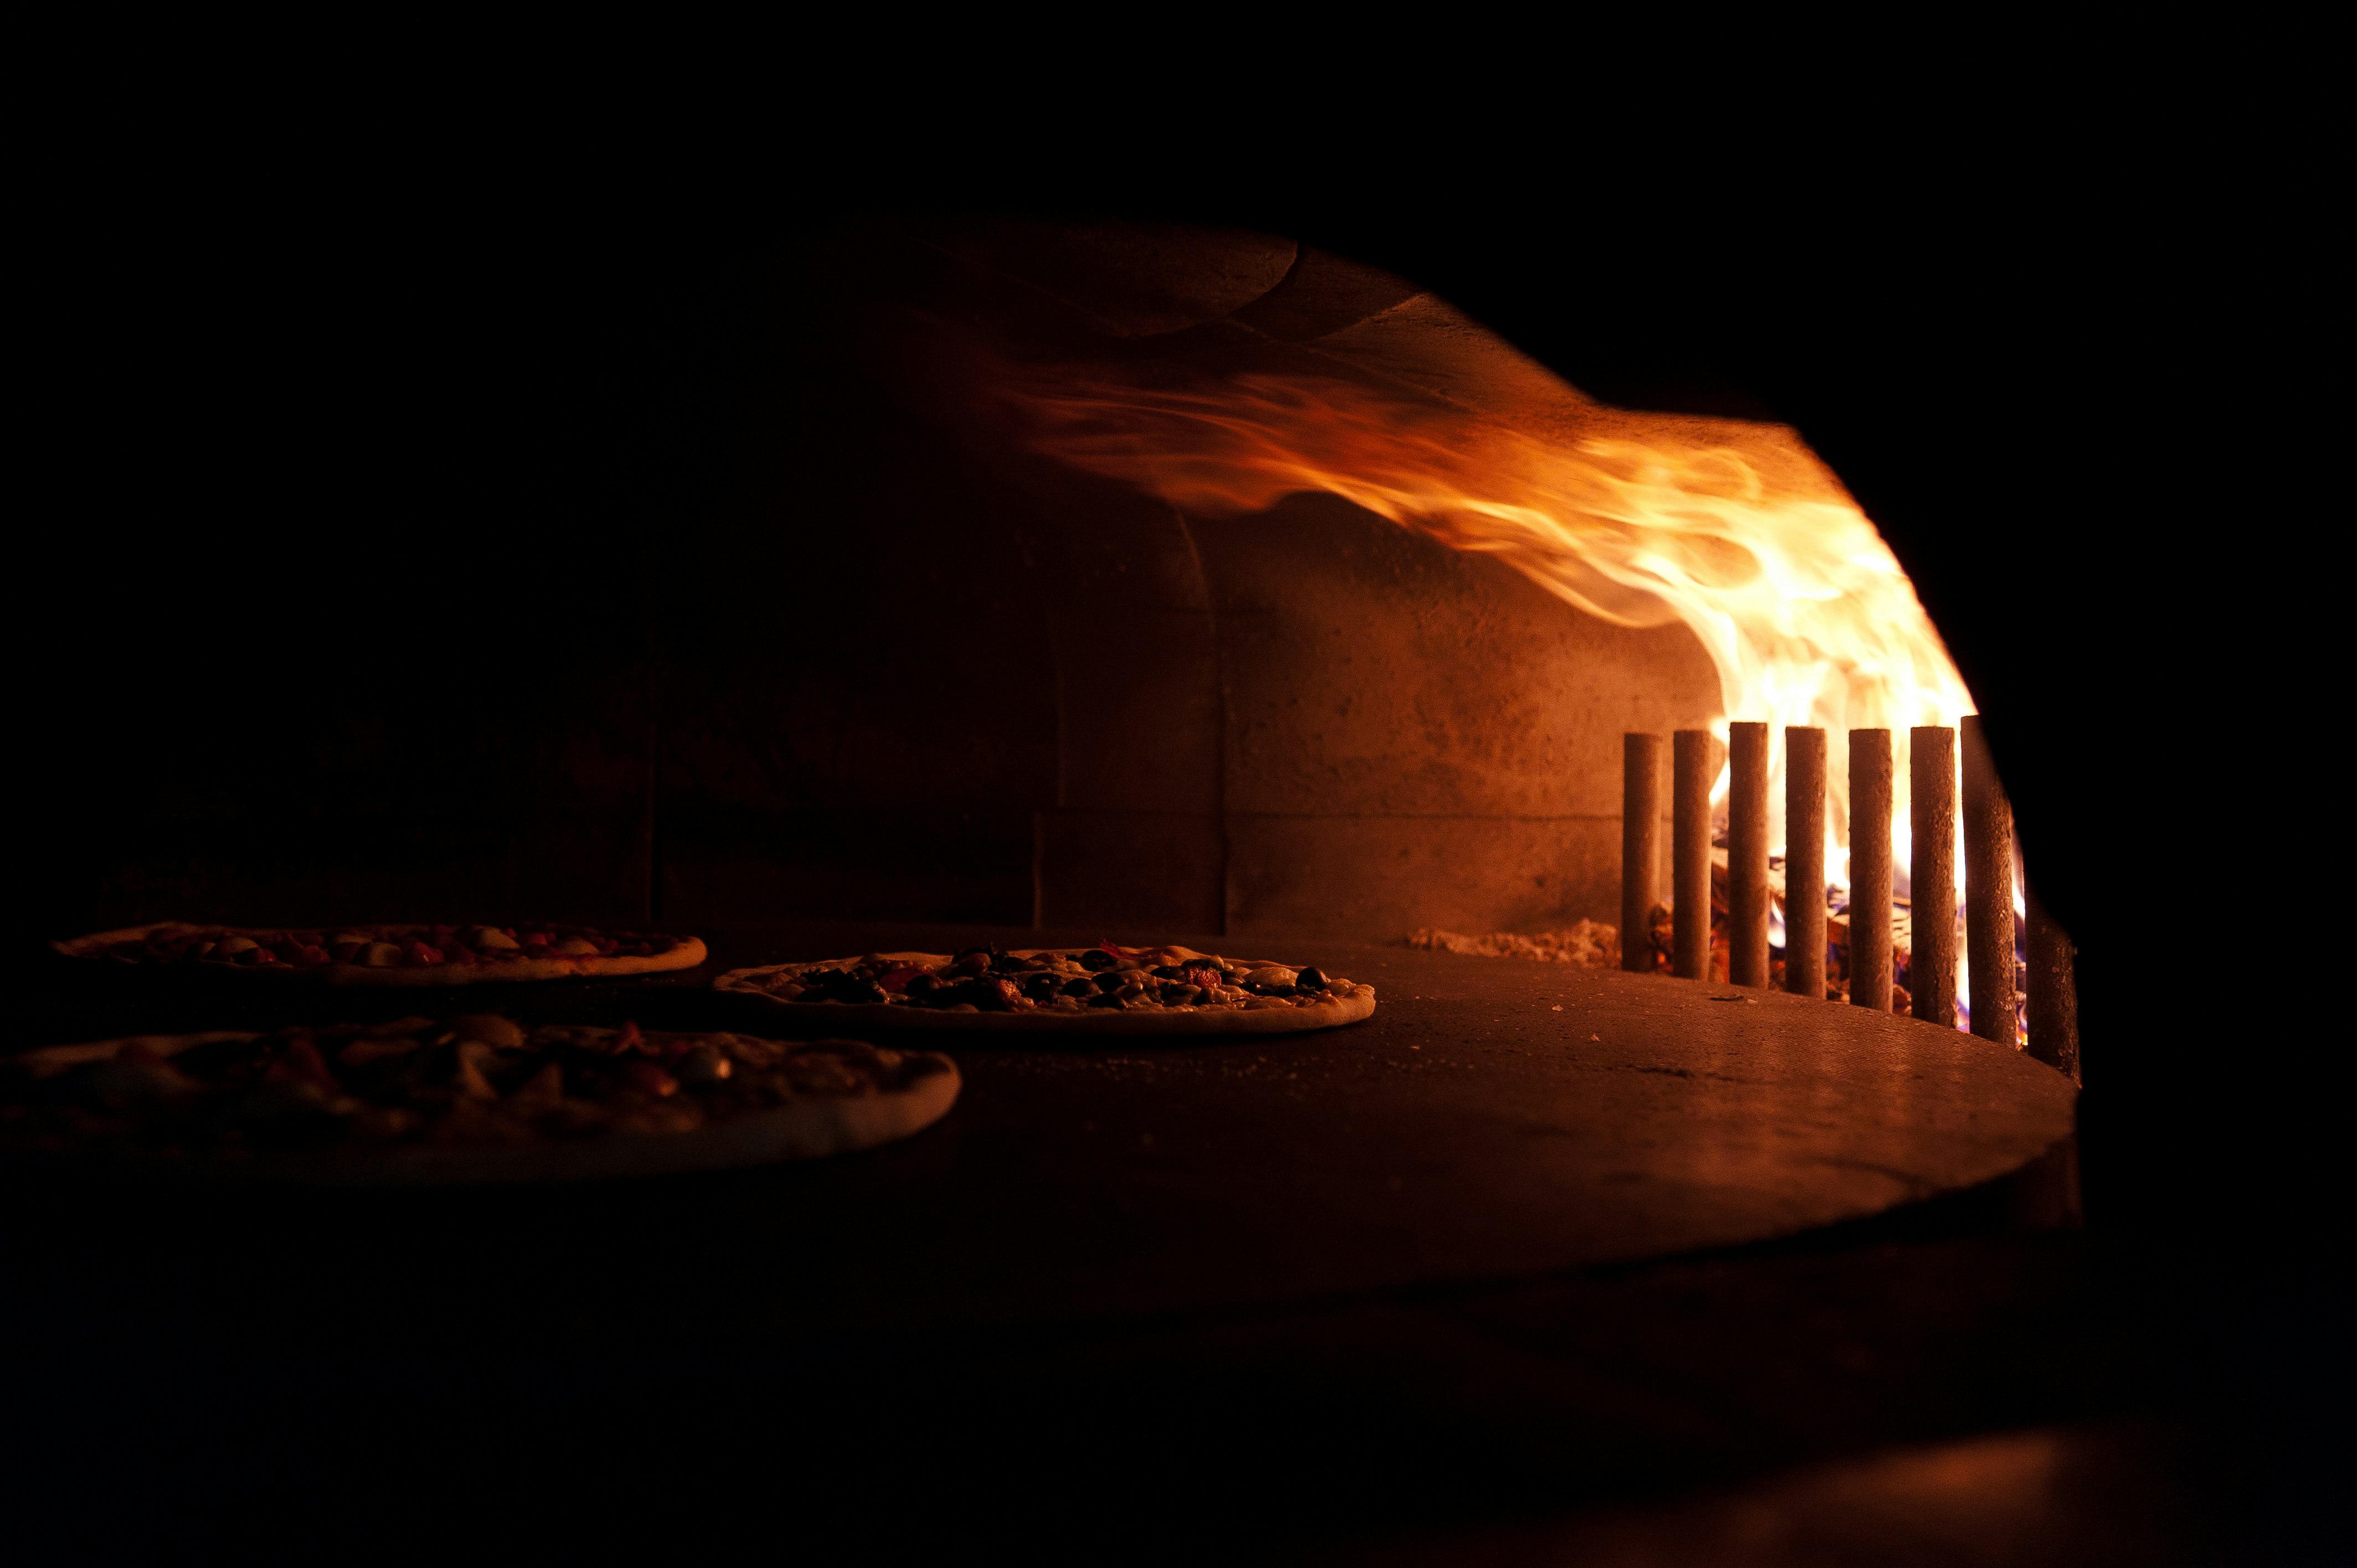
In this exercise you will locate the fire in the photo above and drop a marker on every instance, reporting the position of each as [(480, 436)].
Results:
[(1734, 530)]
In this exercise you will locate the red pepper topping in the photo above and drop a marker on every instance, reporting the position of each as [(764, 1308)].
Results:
[(456, 952), (419, 953), (628, 1038), (1016, 1001), (897, 978)]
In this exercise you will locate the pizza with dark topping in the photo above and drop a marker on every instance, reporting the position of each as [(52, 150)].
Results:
[(393, 954), (1107, 989), (478, 1098)]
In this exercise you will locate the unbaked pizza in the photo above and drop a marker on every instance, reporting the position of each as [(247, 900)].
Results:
[(393, 955), (1105, 988), (473, 1099)]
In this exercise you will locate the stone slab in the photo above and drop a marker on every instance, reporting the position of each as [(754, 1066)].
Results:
[(1495, 1118)]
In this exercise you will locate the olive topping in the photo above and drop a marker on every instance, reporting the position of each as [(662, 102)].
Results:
[(1174, 991), (1169, 971), (1310, 980), (1097, 959), (1079, 986), (1040, 985), (1111, 983), (835, 985), (1108, 999)]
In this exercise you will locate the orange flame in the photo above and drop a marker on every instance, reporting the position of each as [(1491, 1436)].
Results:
[(1805, 613)]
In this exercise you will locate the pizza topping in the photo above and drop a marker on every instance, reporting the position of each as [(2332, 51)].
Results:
[(542, 1091), (648, 1079), (702, 1066), (301, 1063), (393, 946), (505, 1033), (987, 980), (136, 1074), (476, 1080)]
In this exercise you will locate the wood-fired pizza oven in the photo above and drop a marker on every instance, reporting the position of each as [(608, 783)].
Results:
[(1015, 583)]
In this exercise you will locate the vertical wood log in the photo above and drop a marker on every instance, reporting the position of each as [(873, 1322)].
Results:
[(1747, 854), (1640, 847), (1804, 861), (1870, 782), (1690, 765), (1988, 890), (1932, 872), (2053, 986)]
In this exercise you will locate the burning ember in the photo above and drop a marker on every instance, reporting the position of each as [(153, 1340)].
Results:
[(1591, 943), (1596, 944)]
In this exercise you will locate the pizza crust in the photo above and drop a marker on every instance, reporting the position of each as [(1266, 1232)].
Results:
[(689, 953), (869, 1016)]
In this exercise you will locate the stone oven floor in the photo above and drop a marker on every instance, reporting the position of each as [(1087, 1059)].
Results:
[(1538, 1264)]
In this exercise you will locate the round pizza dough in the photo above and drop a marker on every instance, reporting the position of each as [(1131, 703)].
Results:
[(688, 952), (1165, 1021), (810, 1127)]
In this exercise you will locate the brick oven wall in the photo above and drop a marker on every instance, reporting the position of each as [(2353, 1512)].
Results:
[(900, 672)]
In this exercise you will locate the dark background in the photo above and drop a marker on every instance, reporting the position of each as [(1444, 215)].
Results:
[(461, 433)]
